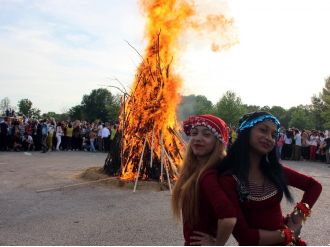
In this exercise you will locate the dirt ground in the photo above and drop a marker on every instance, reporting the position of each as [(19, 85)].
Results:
[(43, 201)]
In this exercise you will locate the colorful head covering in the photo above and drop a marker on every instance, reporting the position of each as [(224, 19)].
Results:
[(214, 123), (251, 119)]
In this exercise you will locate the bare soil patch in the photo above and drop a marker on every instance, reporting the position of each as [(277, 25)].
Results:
[(97, 174)]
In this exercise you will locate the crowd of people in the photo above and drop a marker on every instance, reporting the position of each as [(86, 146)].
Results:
[(23, 134), (295, 144)]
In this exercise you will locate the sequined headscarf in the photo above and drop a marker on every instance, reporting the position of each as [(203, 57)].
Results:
[(251, 119), (217, 126)]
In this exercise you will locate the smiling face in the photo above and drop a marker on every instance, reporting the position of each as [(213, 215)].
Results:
[(263, 137), (202, 141)]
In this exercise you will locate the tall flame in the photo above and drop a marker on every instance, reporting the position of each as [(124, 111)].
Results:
[(149, 115)]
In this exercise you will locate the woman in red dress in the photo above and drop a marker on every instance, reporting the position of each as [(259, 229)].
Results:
[(197, 196), (255, 182)]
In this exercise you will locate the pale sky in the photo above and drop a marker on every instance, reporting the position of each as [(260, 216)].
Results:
[(55, 51)]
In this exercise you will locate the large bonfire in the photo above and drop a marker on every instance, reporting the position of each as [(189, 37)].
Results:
[(150, 145)]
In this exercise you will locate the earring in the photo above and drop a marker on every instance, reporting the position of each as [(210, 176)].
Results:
[(267, 160)]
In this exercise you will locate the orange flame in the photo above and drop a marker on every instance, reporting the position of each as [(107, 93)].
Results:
[(148, 117)]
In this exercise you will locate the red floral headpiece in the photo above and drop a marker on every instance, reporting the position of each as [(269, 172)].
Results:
[(214, 123)]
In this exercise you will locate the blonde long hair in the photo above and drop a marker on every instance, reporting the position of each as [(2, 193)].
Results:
[(185, 196)]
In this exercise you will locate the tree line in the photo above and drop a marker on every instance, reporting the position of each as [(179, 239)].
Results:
[(102, 105), (230, 108)]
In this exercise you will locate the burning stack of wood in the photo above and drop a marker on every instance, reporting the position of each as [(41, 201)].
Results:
[(148, 144)]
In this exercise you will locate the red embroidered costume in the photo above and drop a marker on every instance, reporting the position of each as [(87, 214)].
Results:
[(262, 209), (214, 205)]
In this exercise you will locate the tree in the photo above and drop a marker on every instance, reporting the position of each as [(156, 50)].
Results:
[(325, 96), (280, 113), (300, 117), (56, 116), (4, 104), (76, 112), (34, 113), (230, 108), (326, 89), (114, 108), (265, 108), (50, 114), (194, 105), (251, 108), (317, 108), (24, 106), (99, 104)]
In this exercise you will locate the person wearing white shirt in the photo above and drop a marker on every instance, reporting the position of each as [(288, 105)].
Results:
[(287, 147), (312, 146), (105, 138), (297, 145), (59, 134), (99, 137), (321, 151)]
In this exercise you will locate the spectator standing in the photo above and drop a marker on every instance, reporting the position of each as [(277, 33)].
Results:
[(51, 130), (44, 134), (312, 145), (113, 133), (99, 136), (297, 145), (29, 128), (327, 147), (59, 134), (287, 147), (38, 140), (64, 142), (92, 137), (17, 142), (4, 135), (321, 151), (304, 145), (76, 143), (69, 131), (21, 128), (105, 138), (10, 134)]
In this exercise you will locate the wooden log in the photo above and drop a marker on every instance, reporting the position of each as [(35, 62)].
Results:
[(161, 157), (140, 163), (152, 146), (177, 134), (75, 185), (171, 162), (168, 176)]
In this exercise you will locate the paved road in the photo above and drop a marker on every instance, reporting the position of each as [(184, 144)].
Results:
[(99, 214)]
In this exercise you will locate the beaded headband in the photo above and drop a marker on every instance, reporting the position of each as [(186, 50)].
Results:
[(252, 121)]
